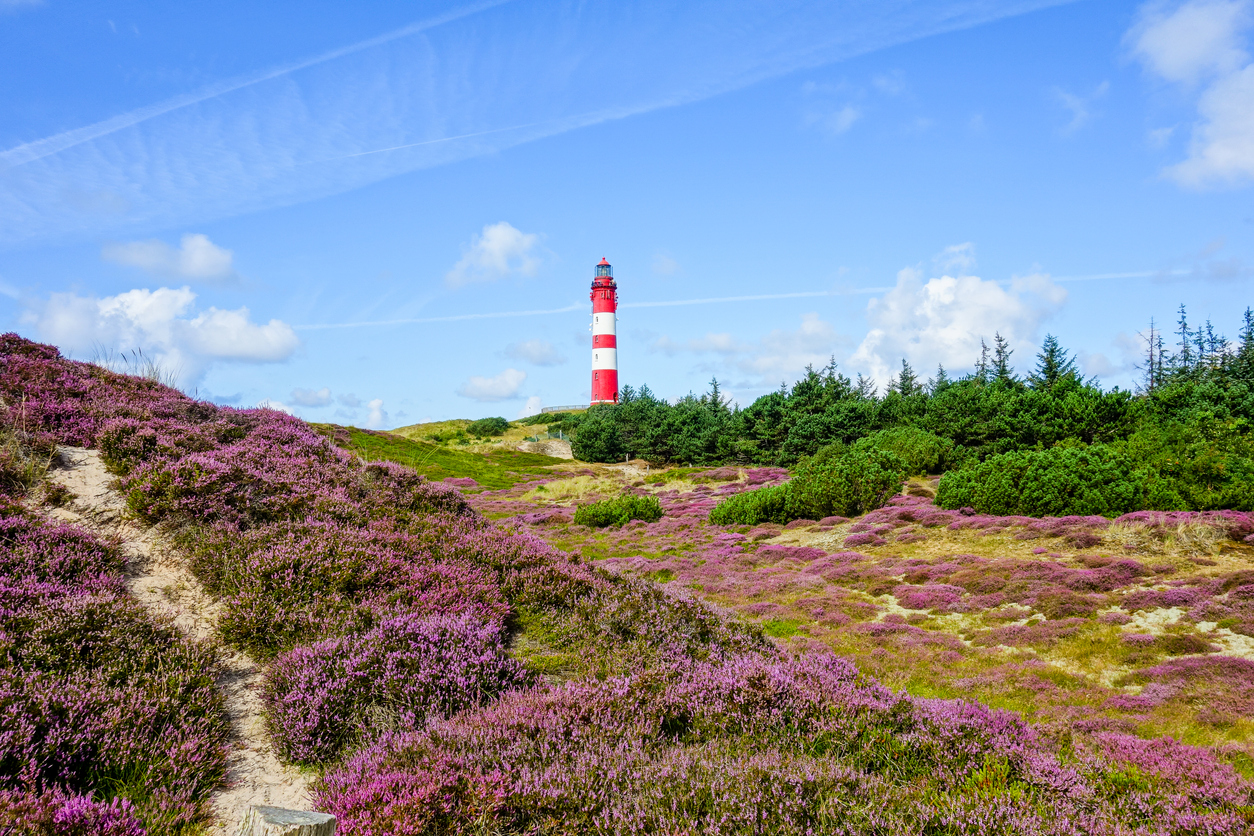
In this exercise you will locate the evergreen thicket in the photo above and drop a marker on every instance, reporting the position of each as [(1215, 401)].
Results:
[(1183, 437)]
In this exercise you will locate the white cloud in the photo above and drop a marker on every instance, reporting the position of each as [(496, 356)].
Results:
[(160, 323), (502, 387), (537, 352), (839, 121), (531, 407), (312, 397), (959, 258), (1222, 147), (277, 406), (942, 321), (779, 354), (196, 259), (500, 251), (1185, 42), (349, 399), (1081, 107), (1203, 41), (378, 417)]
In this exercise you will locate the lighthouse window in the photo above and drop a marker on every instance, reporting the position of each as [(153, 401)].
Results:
[(596, 375)]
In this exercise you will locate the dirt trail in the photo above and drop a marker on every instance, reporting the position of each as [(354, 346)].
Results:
[(162, 584)]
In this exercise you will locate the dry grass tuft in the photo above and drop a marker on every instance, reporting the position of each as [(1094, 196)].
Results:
[(1183, 539)]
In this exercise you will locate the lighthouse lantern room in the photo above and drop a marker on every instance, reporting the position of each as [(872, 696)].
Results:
[(604, 339)]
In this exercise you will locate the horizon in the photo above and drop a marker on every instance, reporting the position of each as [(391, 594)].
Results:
[(380, 217)]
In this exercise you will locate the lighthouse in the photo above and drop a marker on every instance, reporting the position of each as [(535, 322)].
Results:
[(604, 340)]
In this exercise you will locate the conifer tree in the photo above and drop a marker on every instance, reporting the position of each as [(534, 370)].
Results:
[(865, 387), (941, 382), (1053, 364), (908, 381), (1183, 361), (1001, 359), (981, 367)]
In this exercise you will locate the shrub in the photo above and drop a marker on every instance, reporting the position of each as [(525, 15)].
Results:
[(837, 481), (859, 481), (618, 511), (764, 505), (322, 697), (1063, 481), (486, 427), (920, 450)]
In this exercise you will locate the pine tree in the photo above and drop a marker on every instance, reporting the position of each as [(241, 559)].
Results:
[(941, 382), (908, 381), (1244, 362), (865, 387), (1153, 365), (1053, 365), (1183, 361), (981, 367), (1001, 359)]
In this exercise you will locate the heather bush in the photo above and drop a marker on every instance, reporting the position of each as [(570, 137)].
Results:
[(96, 695), (407, 670), (618, 511), (1093, 480), (749, 746), (54, 813)]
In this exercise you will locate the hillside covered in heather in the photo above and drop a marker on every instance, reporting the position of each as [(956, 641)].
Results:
[(439, 672)]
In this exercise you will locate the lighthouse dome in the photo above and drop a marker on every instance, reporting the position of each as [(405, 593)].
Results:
[(604, 269)]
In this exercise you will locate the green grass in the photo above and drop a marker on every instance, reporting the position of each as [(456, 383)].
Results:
[(782, 628), (495, 469)]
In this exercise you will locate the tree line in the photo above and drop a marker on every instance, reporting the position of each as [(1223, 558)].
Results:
[(1189, 416)]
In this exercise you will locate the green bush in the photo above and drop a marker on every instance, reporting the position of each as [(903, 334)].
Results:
[(598, 438), (486, 427), (769, 504), (1095, 479), (834, 481), (618, 511), (862, 479), (920, 450)]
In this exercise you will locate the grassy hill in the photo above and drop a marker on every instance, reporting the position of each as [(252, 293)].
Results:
[(491, 465)]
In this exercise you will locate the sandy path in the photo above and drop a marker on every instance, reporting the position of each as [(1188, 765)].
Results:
[(164, 585)]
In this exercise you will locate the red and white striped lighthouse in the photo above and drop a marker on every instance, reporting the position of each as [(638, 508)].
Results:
[(604, 340)]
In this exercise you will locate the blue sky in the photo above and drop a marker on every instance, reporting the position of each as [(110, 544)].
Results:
[(389, 213)]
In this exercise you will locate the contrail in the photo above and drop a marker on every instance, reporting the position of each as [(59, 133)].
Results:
[(710, 300), (475, 79), (31, 151), (426, 319)]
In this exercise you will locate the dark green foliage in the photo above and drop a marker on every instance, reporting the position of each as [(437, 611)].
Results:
[(852, 483), (837, 481), (764, 505), (919, 450), (1096, 479), (542, 418), (487, 427), (1053, 366), (1189, 428), (619, 510)]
